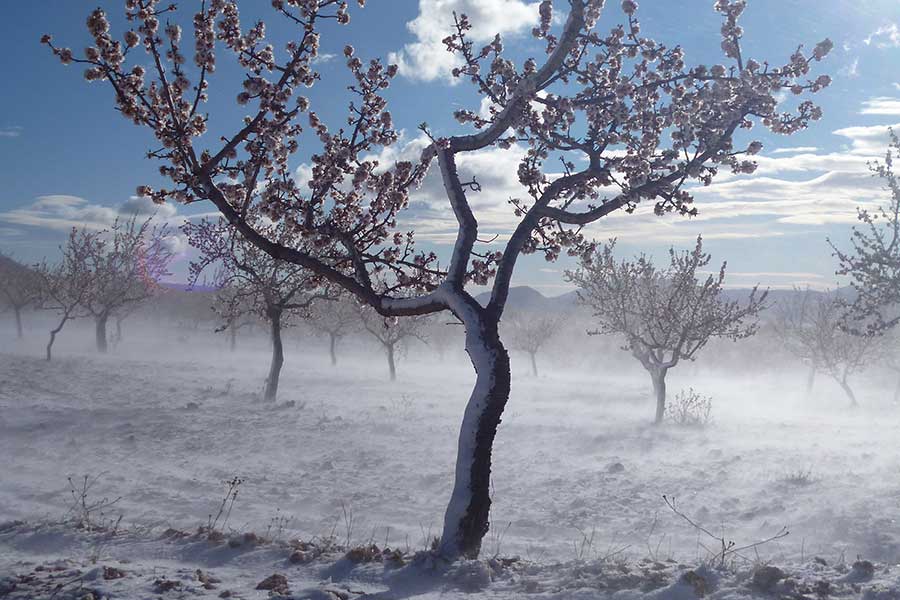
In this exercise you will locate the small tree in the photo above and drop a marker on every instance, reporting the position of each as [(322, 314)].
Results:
[(124, 265), (65, 286), (20, 287), (335, 319), (529, 332), (256, 283), (814, 329), (665, 315), (873, 264), (392, 333)]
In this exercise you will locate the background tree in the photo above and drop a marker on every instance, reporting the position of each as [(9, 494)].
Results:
[(65, 285), (665, 315), (605, 119), (236, 310), (873, 263), (530, 332), (392, 333), (335, 319), (20, 287), (257, 283), (816, 332), (124, 265)]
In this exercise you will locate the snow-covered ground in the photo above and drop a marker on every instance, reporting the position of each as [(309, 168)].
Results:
[(348, 459)]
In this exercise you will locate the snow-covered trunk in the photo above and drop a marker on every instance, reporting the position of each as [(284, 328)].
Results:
[(810, 380), (392, 366), (18, 311), (277, 357), (534, 370), (658, 375), (101, 332), (466, 521), (332, 342)]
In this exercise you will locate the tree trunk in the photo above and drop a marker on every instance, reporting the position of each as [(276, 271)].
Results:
[(277, 357), (18, 311), (331, 347), (392, 367), (659, 390), (53, 333), (534, 370), (897, 391), (101, 333), (466, 521), (119, 329), (810, 380), (847, 390)]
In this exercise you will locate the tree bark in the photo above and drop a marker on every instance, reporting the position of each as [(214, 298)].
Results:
[(18, 311), (53, 333), (897, 391), (466, 521), (332, 342), (810, 380), (659, 390), (101, 333), (277, 357), (534, 370), (119, 329), (849, 391), (392, 367)]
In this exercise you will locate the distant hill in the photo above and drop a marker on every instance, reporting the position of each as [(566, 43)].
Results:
[(184, 287), (527, 299)]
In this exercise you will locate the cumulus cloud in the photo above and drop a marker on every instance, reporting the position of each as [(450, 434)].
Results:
[(427, 59)]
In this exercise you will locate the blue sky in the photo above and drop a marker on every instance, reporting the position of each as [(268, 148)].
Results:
[(68, 159)]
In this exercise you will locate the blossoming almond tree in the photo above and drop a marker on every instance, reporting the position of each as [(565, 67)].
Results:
[(125, 266), (873, 264), (665, 315), (630, 119), (257, 282), (19, 288), (66, 284)]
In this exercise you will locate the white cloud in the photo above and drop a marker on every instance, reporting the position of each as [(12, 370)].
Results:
[(887, 36), (11, 132), (851, 70), (794, 150), (59, 212), (427, 59), (881, 105)]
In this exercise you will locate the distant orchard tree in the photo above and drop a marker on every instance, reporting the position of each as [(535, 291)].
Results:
[(813, 326), (602, 118), (19, 288), (124, 265), (256, 283), (335, 319), (392, 333), (235, 309), (873, 263), (529, 332), (66, 284), (665, 315)]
